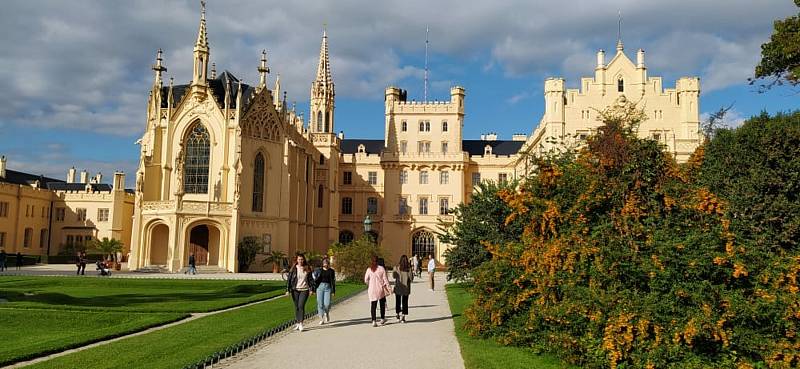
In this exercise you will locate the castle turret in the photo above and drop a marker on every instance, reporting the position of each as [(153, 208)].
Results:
[(322, 92)]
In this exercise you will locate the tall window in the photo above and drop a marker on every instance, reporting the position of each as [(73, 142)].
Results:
[(60, 213), (347, 177), (422, 243), (2, 239), (423, 177), (423, 205), (444, 126), (403, 146), (444, 177), (476, 178), (502, 177), (42, 238), (404, 126), (347, 205), (372, 177), (198, 151), (81, 213), (319, 121), (26, 242), (427, 126), (320, 196), (372, 205), (403, 177), (444, 147), (421, 126), (402, 206), (444, 205), (258, 183), (620, 85), (3, 209), (345, 236), (424, 146), (102, 215)]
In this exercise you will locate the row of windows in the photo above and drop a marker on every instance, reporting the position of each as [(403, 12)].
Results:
[(27, 240), (30, 211), (424, 126), (444, 178), (423, 147), (403, 208), (80, 214), (78, 239)]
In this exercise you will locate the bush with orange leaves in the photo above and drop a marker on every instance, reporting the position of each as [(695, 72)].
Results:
[(627, 262)]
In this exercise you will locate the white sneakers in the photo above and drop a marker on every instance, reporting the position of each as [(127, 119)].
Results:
[(374, 323), (383, 321), (322, 321), (300, 327)]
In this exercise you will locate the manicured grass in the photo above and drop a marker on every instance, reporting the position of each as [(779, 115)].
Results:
[(178, 346), (488, 354), (31, 333), (141, 295)]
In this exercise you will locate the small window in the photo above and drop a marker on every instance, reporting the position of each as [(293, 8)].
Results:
[(403, 147), (487, 150), (361, 148), (427, 126), (620, 85), (42, 238), (657, 136), (444, 126), (444, 147), (348, 178), (345, 237), (402, 206), (3, 209), (583, 136), (502, 177), (60, 212), (372, 205), (2, 239), (444, 177), (373, 178), (421, 126), (476, 178), (102, 215), (423, 177), (81, 213), (404, 126), (424, 147), (403, 177), (444, 206), (347, 205), (320, 196), (423, 205), (321, 159), (26, 242)]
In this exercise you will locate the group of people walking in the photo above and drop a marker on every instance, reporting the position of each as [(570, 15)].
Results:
[(303, 282), (4, 260)]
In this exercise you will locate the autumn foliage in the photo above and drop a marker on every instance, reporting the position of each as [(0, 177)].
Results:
[(627, 261)]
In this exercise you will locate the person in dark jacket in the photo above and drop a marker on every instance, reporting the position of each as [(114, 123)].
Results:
[(192, 265), (80, 262), (402, 288), (300, 284), (3, 259), (326, 287), (19, 260)]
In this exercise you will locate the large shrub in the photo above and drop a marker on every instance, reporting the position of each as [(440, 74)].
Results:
[(627, 262), (479, 222), (352, 259)]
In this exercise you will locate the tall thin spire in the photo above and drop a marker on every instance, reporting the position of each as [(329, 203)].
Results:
[(202, 33), (201, 54), (324, 67), (158, 67), (425, 93), (619, 31), (263, 69)]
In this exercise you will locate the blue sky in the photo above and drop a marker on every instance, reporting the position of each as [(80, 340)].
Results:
[(78, 72)]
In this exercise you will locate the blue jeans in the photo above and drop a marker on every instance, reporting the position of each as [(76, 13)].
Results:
[(323, 299)]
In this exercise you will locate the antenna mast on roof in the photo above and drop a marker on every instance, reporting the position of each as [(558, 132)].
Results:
[(425, 97)]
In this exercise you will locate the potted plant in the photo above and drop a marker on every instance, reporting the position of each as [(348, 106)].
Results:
[(275, 257)]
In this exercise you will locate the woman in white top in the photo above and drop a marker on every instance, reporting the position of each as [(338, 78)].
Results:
[(300, 284)]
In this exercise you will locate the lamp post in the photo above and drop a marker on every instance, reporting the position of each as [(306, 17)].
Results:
[(367, 224)]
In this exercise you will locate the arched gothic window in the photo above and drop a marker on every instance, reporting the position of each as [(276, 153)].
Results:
[(345, 236), (320, 196), (319, 121), (258, 183), (620, 85), (423, 244), (197, 158)]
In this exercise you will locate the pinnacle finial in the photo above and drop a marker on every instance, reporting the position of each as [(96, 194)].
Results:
[(158, 67), (202, 36), (263, 69), (324, 68), (620, 46)]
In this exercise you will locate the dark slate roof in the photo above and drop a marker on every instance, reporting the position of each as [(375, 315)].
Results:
[(20, 178), (217, 86), (350, 146), (499, 147), (63, 186)]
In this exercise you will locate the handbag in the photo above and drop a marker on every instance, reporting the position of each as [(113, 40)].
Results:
[(387, 290)]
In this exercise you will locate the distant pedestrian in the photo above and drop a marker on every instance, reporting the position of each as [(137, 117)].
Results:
[(3, 259), (431, 270), (80, 262), (402, 288), (378, 288), (192, 265), (326, 287), (19, 260), (300, 283), (415, 265)]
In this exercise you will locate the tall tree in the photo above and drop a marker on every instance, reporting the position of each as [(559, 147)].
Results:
[(780, 57)]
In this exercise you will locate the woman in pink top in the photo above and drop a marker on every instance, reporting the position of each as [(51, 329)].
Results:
[(378, 285)]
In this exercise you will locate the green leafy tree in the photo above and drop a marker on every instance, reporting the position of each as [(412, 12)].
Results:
[(108, 247), (248, 248), (276, 258), (780, 57), (481, 221), (352, 259)]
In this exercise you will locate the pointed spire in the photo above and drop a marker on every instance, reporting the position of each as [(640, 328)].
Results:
[(158, 67), (170, 101), (263, 69), (202, 34), (620, 47), (277, 91), (324, 67)]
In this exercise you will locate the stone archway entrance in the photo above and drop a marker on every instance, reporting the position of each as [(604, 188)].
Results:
[(204, 243), (159, 245)]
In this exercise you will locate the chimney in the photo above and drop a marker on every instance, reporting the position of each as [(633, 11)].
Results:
[(2, 166), (119, 181), (491, 136), (71, 175), (98, 177), (84, 176), (341, 135), (640, 59), (601, 59), (519, 137)]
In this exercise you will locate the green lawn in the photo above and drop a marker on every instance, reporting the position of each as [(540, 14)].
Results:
[(142, 295), (488, 354), (41, 315), (31, 333), (178, 346)]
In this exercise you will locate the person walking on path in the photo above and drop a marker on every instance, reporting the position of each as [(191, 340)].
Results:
[(3, 258), (431, 270), (377, 290), (402, 288), (80, 262), (192, 265), (326, 287), (19, 260), (415, 265), (300, 283)]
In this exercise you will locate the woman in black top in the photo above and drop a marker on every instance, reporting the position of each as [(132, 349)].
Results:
[(326, 287)]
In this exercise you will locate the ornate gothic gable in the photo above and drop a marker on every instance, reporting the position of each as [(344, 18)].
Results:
[(261, 120)]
